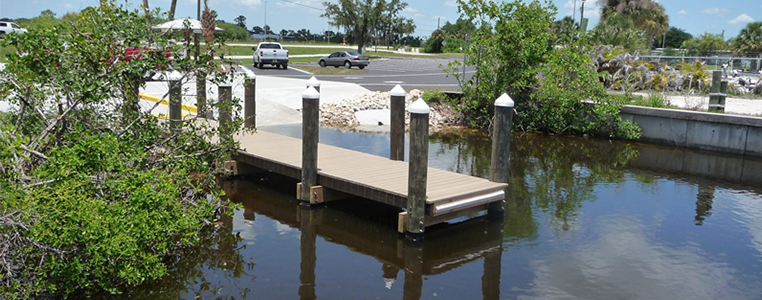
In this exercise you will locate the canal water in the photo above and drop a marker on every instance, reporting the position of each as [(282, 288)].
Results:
[(585, 219)]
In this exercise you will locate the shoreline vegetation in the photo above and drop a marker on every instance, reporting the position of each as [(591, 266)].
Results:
[(97, 195)]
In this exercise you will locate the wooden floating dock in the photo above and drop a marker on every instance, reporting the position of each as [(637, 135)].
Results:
[(343, 172)]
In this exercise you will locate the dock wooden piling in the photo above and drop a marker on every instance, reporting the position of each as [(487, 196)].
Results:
[(397, 126), (417, 170), (201, 94), (501, 150), (310, 139), (250, 100), (175, 100), (723, 95), (225, 91)]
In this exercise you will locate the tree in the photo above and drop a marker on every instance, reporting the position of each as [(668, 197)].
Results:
[(646, 15), (47, 14), (514, 39), (434, 42), (362, 18), (618, 30), (231, 32), (749, 40), (97, 194), (565, 29), (240, 21), (459, 29), (655, 22), (257, 30), (675, 37), (705, 44)]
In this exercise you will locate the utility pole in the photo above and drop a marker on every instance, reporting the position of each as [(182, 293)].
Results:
[(437, 23), (264, 27), (582, 12)]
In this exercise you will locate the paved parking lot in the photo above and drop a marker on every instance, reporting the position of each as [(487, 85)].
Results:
[(384, 74)]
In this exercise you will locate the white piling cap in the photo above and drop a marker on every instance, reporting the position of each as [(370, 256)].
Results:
[(398, 91), (504, 101), (311, 94), (313, 82), (174, 75), (419, 107)]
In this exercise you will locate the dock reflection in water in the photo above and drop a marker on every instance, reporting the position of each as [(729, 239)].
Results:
[(344, 224)]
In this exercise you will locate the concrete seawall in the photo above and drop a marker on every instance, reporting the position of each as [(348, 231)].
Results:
[(698, 130)]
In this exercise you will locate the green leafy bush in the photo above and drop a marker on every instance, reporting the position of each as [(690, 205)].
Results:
[(513, 39), (570, 100), (95, 194)]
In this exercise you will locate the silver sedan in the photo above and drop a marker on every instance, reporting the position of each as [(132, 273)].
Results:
[(345, 58)]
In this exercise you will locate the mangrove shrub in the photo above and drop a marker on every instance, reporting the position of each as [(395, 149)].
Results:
[(95, 193)]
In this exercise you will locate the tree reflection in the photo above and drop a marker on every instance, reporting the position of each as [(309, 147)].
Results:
[(554, 174)]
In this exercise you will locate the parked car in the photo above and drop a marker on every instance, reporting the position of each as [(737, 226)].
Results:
[(345, 58), (8, 27), (272, 54)]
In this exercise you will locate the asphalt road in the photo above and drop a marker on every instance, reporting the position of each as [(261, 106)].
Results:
[(384, 74)]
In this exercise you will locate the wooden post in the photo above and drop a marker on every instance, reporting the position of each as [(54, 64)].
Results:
[(310, 134), (714, 95), (225, 104), (201, 108), (501, 150), (313, 82), (250, 100), (225, 91), (175, 100), (418, 170), (397, 126), (723, 95)]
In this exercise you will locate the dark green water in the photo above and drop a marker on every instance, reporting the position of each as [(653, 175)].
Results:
[(585, 219)]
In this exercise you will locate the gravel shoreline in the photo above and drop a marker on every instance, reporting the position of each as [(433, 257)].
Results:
[(341, 114)]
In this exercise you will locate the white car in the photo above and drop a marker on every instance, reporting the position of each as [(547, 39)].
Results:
[(271, 54), (8, 27)]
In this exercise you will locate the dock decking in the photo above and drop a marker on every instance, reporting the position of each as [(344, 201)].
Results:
[(449, 195)]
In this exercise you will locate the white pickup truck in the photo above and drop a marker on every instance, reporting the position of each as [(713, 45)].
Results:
[(271, 54), (8, 27)]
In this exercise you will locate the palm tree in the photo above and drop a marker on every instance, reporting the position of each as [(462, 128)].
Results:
[(565, 28), (172, 7), (749, 42), (436, 39), (631, 8), (647, 15), (654, 23), (618, 30)]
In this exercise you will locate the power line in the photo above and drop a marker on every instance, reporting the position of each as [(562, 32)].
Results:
[(307, 6)]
